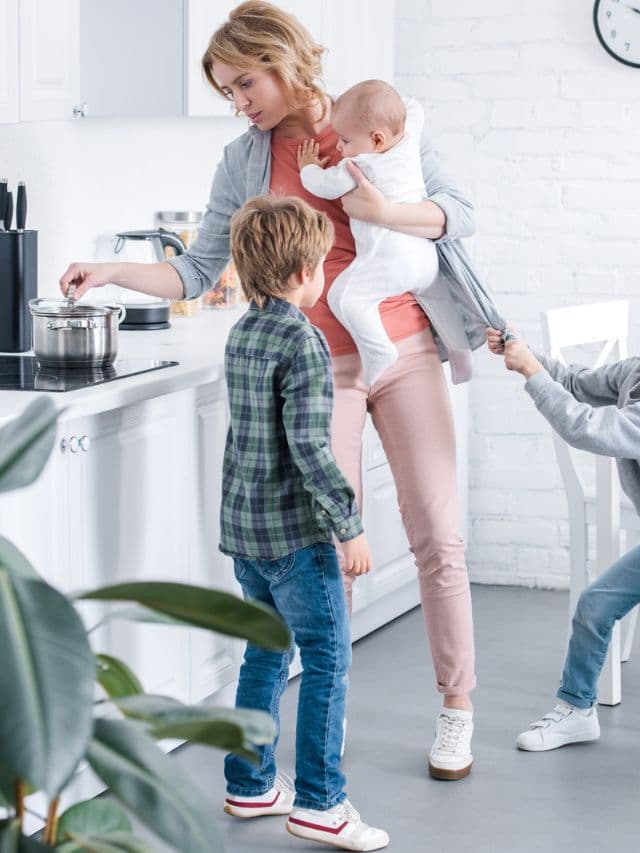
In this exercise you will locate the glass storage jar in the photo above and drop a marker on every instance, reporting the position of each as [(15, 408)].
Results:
[(186, 224), (226, 293)]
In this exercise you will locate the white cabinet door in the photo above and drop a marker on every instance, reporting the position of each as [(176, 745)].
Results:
[(129, 484), (8, 61), (215, 659), (49, 59), (36, 519)]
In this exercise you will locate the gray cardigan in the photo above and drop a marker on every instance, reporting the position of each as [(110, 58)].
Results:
[(245, 170), (595, 410)]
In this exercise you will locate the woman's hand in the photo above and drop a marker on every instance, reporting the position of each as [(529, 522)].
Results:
[(365, 202), (85, 276)]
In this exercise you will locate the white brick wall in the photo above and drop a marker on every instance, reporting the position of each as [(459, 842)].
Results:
[(542, 128)]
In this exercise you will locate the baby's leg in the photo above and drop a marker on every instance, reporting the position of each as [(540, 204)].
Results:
[(355, 301)]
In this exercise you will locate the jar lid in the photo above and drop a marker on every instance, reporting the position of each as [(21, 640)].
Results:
[(60, 308), (187, 217)]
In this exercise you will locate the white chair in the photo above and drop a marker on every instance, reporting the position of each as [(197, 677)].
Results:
[(602, 511)]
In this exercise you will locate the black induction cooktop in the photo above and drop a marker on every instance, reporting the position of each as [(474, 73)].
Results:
[(23, 373)]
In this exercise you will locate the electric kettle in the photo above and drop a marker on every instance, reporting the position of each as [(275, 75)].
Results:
[(143, 311)]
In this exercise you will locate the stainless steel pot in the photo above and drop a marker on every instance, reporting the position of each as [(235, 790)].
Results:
[(68, 335)]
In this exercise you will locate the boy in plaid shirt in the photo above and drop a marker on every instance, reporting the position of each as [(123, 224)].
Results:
[(283, 499)]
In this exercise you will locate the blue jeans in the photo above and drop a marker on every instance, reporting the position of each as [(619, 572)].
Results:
[(607, 599), (306, 589)]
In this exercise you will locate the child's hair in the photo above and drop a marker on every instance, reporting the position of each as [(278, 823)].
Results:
[(373, 104), (273, 238), (259, 35)]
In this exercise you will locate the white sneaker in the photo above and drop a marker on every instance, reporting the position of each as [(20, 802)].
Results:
[(277, 801), (450, 756), (340, 826), (565, 724)]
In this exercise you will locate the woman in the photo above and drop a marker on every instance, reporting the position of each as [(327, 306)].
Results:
[(267, 64)]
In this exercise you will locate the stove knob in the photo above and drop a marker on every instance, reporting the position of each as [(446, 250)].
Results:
[(74, 444), (64, 445), (85, 443)]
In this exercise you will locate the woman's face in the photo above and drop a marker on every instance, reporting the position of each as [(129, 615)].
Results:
[(256, 93)]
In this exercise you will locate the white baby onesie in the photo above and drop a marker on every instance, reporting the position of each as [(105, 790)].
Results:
[(387, 263)]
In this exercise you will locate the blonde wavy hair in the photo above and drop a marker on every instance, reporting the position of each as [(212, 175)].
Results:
[(272, 238), (260, 36)]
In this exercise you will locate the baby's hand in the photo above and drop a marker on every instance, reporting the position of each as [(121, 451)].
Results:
[(309, 155)]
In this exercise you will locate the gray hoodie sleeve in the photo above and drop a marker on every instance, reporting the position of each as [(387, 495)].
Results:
[(607, 430), (599, 386)]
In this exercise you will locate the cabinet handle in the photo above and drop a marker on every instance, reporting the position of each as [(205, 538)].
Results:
[(80, 110), (74, 444), (85, 444)]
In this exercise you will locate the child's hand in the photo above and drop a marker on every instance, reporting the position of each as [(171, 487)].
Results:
[(518, 357), (494, 341), (308, 154), (357, 556)]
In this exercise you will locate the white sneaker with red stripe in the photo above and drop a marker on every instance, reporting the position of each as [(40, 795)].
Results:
[(277, 801), (340, 827)]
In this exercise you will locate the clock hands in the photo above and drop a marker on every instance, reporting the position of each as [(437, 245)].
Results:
[(632, 8)]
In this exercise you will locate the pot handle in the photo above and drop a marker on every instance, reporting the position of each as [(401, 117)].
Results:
[(122, 313)]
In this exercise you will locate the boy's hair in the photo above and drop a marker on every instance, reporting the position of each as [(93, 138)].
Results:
[(273, 238), (374, 104)]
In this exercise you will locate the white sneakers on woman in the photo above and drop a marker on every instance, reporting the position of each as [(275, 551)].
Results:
[(450, 757), (565, 724)]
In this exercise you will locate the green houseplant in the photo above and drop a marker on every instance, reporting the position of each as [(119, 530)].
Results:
[(51, 719)]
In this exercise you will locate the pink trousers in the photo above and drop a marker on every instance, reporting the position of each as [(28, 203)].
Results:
[(411, 411)]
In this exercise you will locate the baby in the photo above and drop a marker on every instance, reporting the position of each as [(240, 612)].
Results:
[(379, 132)]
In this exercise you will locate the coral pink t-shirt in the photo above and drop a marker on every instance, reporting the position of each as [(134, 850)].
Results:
[(401, 315)]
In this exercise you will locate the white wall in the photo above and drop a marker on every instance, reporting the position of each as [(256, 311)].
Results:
[(543, 129), (92, 177)]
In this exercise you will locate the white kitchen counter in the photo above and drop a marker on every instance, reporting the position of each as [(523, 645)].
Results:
[(197, 343)]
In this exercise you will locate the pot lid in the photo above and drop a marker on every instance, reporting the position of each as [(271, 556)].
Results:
[(60, 308)]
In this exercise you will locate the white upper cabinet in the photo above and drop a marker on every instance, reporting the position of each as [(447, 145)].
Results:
[(49, 58), (114, 58), (8, 60)]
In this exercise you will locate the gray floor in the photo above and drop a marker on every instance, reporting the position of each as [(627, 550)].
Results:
[(583, 798)]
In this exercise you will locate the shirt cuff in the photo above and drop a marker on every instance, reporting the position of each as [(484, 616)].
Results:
[(190, 281), (346, 528)]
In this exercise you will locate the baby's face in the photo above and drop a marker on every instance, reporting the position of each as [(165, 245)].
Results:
[(352, 139)]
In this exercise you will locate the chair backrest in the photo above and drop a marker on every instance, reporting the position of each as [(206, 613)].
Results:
[(605, 324)]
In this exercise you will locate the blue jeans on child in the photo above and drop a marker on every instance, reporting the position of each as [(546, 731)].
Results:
[(607, 599), (306, 589)]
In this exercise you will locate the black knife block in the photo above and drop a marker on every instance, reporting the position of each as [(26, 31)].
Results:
[(18, 284)]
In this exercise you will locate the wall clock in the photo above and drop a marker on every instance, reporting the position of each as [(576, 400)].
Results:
[(617, 24)]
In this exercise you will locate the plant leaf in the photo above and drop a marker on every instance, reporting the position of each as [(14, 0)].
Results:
[(112, 842), (48, 670), (152, 786), (256, 727), (136, 613), (11, 840), (15, 561), (115, 677), (204, 608), (93, 817), (25, 444)]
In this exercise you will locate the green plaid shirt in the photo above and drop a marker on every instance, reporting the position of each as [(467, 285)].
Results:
[(281, 487)]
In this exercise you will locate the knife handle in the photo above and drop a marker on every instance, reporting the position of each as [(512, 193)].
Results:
[(8, 211), (3, 200), (21, 206)]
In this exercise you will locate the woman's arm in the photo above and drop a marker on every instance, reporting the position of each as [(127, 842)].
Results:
[(154, 279)]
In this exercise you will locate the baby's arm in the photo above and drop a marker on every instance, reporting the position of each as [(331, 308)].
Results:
[(324, 183)]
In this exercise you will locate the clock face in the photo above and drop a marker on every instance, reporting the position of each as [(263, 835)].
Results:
[(617, 24)]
